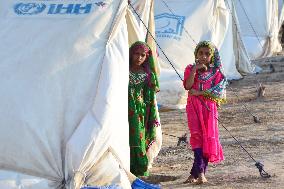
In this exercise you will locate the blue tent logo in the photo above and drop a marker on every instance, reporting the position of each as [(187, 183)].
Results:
[(29, 8), (169, 24)]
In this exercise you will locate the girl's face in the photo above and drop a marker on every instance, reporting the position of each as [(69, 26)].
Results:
[(204, 55), (139, 57)]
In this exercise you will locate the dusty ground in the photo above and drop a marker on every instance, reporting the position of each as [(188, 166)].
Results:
[(264, 141)]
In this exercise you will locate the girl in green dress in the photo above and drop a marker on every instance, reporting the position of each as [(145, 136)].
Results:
[(143, 115)]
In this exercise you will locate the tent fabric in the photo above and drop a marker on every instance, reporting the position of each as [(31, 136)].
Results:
[(242, 58), (143, 8), (179, 28), (259, 29), (63, 83)]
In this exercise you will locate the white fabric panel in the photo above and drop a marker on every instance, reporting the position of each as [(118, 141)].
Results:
[(135, 34), (142, 7), (108, 171), (62, 81), (169, 29), (226, 48), (105, 124), (242, 59), (259, 26)]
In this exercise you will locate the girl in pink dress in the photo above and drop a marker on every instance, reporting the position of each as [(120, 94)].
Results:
[(206, 84)]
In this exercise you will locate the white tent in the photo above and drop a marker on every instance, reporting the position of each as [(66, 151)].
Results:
[(180, 25), (259, 24), (63, 91), (142, 8)]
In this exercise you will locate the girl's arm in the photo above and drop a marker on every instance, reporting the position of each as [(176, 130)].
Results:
[(190, 80), (194, 92)]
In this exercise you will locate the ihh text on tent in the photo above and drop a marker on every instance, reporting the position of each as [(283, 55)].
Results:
[(69, 9), (29, 9)]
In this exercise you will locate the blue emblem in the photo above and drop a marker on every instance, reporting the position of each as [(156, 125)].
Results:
[(169, 24), (29, 8)]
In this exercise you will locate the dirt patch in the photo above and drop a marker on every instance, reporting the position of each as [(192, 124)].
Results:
[(264, 140)]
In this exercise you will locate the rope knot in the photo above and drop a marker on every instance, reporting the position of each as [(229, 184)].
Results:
[(262, 173)]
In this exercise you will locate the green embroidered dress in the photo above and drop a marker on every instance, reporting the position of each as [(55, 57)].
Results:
[(142, 118)]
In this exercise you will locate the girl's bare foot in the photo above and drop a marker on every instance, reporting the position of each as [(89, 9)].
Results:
[(190, 179), (201, 179)]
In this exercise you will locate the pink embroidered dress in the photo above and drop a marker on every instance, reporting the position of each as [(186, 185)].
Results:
[(202, 110)]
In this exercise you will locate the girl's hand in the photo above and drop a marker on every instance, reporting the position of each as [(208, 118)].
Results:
[(201, 67), (194, 92)]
